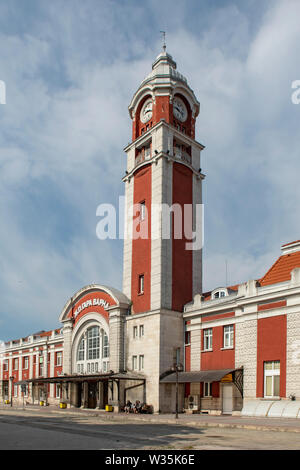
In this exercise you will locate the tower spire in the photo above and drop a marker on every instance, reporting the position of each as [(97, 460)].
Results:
[(163, 33)]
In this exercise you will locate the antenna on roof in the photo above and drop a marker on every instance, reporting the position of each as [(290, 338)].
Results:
[(163, 33)]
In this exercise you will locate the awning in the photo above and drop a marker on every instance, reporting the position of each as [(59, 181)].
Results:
[(197, 377), (83, 378)]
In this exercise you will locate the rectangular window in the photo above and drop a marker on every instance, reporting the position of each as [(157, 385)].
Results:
[(142, 210), (57, 395), (135, 332), (141, 331), (59, 358), (207, 337), (228, 336), (5, 365), (134, 362), (141, 362), (105, 346), (272, 379), (141, 284), (26, 362), (15, 390), (187, 338), (148, 151), (16, 364), (207, 389)]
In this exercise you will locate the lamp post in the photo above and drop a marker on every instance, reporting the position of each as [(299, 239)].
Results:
[(11, 390), (177, 368)]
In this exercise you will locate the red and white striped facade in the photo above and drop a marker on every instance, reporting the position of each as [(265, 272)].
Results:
[(237, 344), (263, 318)]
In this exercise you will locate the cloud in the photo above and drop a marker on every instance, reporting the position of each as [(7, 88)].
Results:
[(70, 73)]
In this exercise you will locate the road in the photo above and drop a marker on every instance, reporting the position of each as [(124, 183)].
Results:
[(38, 431)]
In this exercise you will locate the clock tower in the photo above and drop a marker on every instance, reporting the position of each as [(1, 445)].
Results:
[(162, 268)]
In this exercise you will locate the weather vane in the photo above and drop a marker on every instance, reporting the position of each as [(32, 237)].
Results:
[(163, 33)]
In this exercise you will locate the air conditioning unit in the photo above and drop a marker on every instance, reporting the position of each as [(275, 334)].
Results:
[(193, 402)]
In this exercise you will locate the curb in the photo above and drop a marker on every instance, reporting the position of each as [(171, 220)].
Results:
[(198, 424)]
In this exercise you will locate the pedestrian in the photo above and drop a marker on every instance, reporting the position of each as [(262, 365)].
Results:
[(128, 407)]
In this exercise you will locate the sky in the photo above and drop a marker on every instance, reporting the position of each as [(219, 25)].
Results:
[(70, 70)]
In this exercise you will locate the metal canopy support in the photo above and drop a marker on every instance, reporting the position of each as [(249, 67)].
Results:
[(238, 380)]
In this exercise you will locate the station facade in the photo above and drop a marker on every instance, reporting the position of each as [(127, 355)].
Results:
[(232, 350)]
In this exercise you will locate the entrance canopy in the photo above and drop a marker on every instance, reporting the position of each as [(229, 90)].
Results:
[(196, 377), (83, 378), (205, 376)]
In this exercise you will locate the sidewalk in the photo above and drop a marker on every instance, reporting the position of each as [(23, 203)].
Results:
[(223, 421)]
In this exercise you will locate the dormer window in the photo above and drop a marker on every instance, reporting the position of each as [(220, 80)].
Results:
[(219, 293)]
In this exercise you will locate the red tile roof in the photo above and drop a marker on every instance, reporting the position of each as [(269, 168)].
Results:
[(281, 269)]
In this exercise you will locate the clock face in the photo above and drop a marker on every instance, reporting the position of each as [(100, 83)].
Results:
[(179, 109), (146, 111)]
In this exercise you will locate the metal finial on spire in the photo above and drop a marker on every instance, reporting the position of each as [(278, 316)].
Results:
[(164, 40)]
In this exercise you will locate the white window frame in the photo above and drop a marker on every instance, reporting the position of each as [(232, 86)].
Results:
[(219, 294), (26, 362), (141, 283), (207, 339), (59, 358), (143, 210), (134, 363), (15, 390), (92, 353), (135, 332), (141, 361), (274, 372), (141, 331), (207, 389), (187, 336), (228, 336), (57, 390)]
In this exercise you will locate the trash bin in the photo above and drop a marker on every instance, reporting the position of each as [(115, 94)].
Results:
[(63, 405), (108, 408), (42, 403)]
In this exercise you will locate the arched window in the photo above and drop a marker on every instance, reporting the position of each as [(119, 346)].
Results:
[(92, 353), (80, 350), (218, 294), (93, 342)]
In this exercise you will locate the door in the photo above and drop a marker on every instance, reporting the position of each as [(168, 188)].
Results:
[(92, 395), (227, 399)]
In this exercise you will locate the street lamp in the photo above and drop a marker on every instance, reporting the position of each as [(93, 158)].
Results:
[(177, 368), (11, 390)]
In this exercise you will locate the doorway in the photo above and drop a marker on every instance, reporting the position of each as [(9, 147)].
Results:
[(227, 399), (92, 394)]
